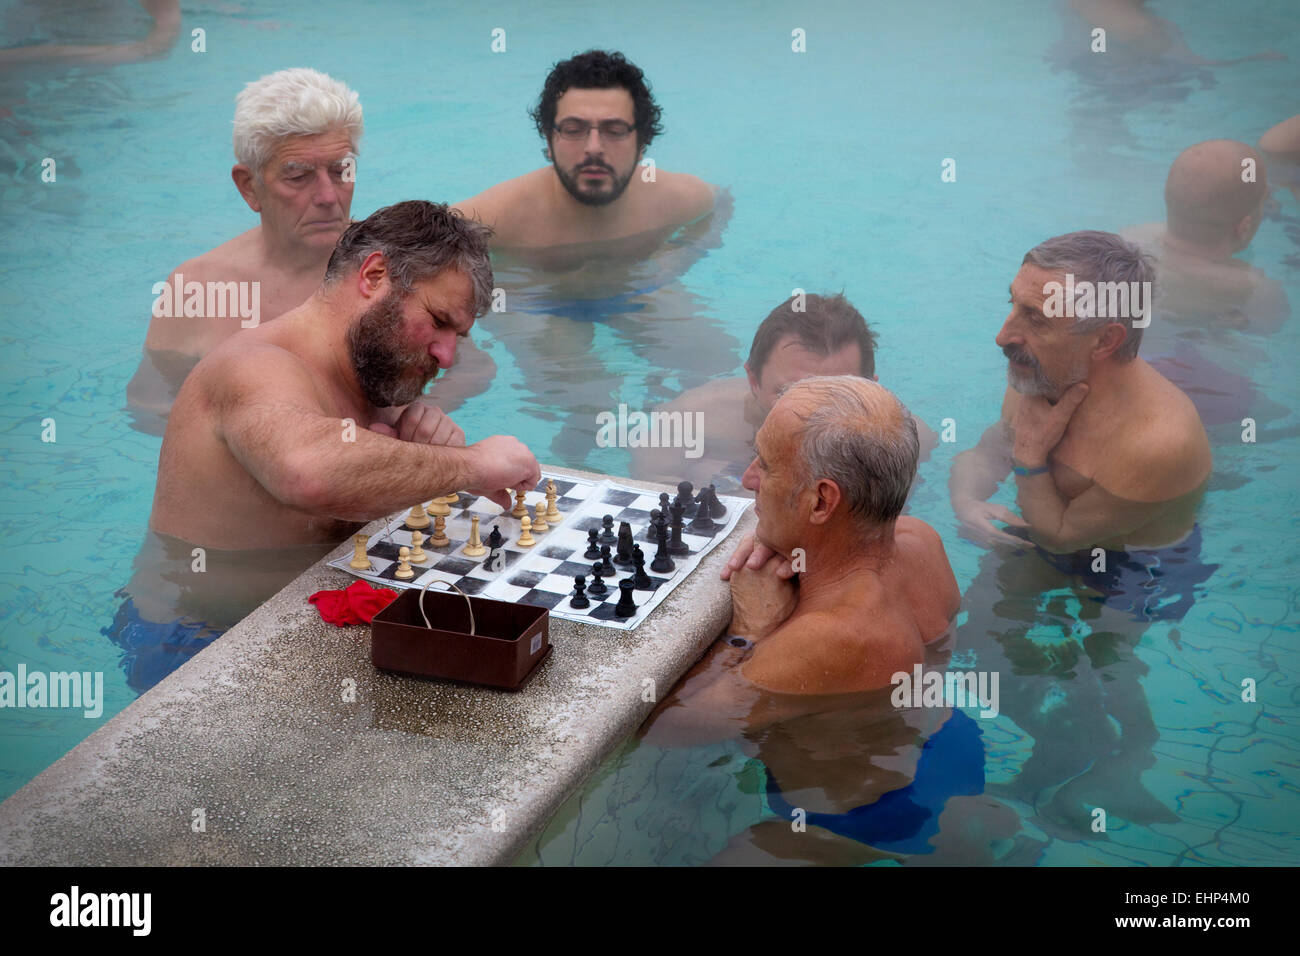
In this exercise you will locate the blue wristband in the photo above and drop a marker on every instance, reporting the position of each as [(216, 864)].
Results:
[(1024, 472)]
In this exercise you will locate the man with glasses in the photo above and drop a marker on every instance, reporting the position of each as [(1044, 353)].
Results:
[(598, 118)]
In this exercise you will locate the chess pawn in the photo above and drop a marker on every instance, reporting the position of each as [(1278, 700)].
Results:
[(475, 547), (417, 519), (417, 551), (439, 539), (597, 587), (526, 539), (539, 523), (404, 563), (593, 548), (552, 512), (579, 599), (360, 560), (520, 509)]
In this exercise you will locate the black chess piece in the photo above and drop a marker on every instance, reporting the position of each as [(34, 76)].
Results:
[(639, 578), (702, 523), (716, 508), (650, 528), (662, 564), (579, 599), (597, 587), (606, 565), (685, 498), (593, 549), (663, 503), (494, 539), (624, 556), (675, 543), (625, 607), (607, 530)]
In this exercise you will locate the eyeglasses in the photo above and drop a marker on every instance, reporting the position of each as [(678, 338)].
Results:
[(576, 129)]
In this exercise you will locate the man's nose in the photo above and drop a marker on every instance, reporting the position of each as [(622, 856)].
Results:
[(443, 348), (1006, 336), (327, 191), (750, 478)]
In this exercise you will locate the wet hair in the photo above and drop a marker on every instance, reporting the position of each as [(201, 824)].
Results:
[(297, 102), (827, 324), (871, 457), (598, 70), (419, 240), (1098, 257)]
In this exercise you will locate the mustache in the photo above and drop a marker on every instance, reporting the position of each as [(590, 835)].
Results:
[(597, 165), (1016, 354)]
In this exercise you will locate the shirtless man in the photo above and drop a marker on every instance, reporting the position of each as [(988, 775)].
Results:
[(827, 336), (296, 138), (598, 118), (259, 453), (1110, 463), (834, 463), (1106, 451), (1212, 214)]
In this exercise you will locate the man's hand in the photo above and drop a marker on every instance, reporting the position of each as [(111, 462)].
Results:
[(425, 424), (977, 519), (501, 463), (750, 553), (1039, 425), (761, 599)]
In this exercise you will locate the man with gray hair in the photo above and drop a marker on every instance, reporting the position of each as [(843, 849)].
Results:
[(834, 462), (287, 437), (1106, 451), (296, 137)]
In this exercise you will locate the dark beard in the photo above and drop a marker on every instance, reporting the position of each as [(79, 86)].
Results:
[(388, 374), (594, 199)]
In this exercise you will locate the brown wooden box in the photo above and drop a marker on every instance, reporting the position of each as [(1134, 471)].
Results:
[(510, 640)]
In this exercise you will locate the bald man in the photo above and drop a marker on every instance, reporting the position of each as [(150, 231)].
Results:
[(1215, 197), (834, 461)]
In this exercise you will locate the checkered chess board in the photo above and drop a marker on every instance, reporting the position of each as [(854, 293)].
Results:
[(543, 574)]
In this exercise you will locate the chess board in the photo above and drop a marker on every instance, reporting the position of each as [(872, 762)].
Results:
[(543, 574)]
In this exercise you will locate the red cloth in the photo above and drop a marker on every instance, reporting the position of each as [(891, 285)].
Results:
[(357, 604)]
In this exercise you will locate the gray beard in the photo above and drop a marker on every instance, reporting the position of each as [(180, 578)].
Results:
[(383, 369)]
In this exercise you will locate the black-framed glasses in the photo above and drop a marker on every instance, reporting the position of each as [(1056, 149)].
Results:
[(576, 129)]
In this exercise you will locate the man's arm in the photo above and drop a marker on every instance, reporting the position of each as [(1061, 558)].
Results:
[(974, 479), (267, 415)]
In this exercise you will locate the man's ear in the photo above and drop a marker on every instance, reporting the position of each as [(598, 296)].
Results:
[(753, 379), (1112, 337), (243, 178), (826, 501)]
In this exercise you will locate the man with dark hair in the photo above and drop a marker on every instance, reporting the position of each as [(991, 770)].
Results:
[(287, 437), (805, 335), (597, 117)]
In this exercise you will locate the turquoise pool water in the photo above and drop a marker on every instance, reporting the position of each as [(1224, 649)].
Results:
[(832, 158)]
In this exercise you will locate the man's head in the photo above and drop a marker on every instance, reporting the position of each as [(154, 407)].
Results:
[(1207, 203), (835, 459), (1047, 353), (296, 139), (422, 274), (597, 117), (829, 337)]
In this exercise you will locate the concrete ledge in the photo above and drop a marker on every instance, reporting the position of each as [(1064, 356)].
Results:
[(255, 732)]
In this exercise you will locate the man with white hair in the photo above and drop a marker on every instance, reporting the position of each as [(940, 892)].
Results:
[(296, 137)]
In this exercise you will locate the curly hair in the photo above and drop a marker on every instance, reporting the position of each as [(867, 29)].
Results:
[(598, 70)]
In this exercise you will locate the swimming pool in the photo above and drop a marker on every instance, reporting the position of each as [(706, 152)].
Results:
[(832, 158)]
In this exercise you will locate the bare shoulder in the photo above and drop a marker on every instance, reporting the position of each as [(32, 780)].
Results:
[(684, 197), (226, 262), (240, 372), (1167, 451), (718, 390), (927, 559), (818, 653), (489, 206)]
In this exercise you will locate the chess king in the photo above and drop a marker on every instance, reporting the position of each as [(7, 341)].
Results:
[(288, 436)]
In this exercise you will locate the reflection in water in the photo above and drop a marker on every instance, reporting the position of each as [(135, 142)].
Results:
[(1063, 636), (179, 601), (559, 300), (876, 783)]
